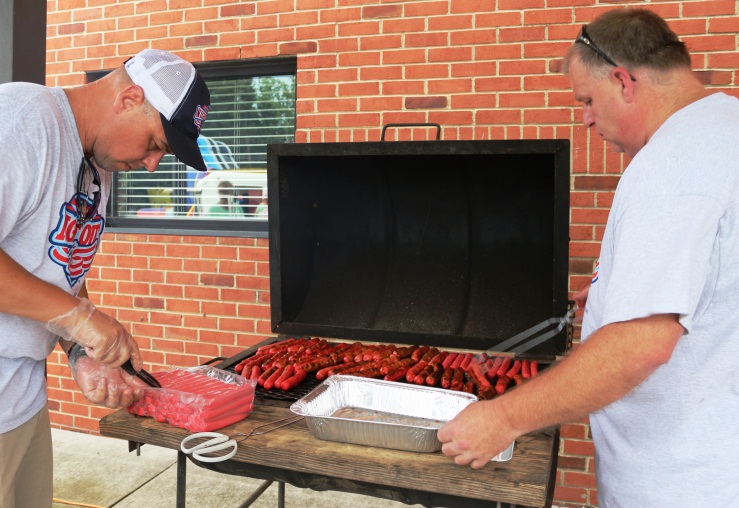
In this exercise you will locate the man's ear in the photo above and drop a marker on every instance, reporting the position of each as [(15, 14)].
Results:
[(627, 84), (130, 97)]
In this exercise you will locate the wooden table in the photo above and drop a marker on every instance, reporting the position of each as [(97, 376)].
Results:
[(292, 455)]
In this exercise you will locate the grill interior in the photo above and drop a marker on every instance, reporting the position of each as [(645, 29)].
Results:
[(457, 244)]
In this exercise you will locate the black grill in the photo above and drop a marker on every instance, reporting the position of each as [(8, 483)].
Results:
[(452, 244)]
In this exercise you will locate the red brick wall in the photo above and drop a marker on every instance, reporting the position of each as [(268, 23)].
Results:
[(483, 69)]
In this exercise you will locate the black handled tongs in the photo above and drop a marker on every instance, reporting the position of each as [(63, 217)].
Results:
[(535, 335), (141, 374), (532, 337)]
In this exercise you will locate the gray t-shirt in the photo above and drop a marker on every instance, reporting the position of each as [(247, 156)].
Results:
[(671, 245), (41, 155)]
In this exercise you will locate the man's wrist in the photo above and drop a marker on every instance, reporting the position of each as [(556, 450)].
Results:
[(73, 353)]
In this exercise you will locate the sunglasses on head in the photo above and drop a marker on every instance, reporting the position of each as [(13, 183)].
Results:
[(85, 210), (584, 38)]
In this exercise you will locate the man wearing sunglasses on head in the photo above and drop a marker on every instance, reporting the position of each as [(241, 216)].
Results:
[(60, 147), (657, 368)]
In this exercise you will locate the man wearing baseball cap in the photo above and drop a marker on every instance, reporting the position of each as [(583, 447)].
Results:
[(177, 91), (60, 147)]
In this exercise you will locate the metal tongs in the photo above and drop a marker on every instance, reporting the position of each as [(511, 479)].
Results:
[(532, 337), (219, 442), (141, 374), (270, 426)]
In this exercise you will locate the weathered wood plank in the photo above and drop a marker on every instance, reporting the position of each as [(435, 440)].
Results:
[(524, 480)]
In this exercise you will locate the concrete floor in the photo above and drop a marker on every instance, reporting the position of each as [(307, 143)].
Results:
[(96, 471)]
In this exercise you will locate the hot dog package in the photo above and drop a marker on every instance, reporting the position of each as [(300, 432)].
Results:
[(197, 399)]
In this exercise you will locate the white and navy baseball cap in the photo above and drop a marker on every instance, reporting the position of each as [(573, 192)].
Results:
[(176, 90)]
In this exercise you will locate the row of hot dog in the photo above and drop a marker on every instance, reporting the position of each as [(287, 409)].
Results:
[(284, 365)]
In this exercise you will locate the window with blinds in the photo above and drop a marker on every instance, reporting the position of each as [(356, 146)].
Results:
[(252, 105)]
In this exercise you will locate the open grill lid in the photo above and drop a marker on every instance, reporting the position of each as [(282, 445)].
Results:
[(446, 243)]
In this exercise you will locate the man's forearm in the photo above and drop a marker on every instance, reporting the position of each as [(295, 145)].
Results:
[(602, 370)]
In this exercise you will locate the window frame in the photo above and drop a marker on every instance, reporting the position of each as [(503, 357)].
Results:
[(204, 226)]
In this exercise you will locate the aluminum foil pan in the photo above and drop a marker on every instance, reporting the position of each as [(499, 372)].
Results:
[(380, 413)]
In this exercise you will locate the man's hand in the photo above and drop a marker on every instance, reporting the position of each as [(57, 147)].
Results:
[(112, 388), (104, 338), (581, 297), (476, 435)]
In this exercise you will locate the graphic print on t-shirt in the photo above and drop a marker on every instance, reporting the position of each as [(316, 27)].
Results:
[(595, 272), (73, 246)]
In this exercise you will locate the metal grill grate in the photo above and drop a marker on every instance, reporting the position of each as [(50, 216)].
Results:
[(292, 395)]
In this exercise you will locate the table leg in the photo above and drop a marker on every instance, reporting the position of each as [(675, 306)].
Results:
[(255, 495), (181, 479), (280, 494)]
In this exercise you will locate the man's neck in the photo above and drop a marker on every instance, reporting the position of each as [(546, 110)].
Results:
[(672, 93)]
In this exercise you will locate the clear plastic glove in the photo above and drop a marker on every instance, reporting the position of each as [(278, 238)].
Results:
[(102, 385), (104, 338)]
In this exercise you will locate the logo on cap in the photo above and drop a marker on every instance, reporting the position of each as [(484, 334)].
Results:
[(200, 113)]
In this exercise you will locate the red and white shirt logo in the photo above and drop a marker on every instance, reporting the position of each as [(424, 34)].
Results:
[(595, 272), (73, 245)]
